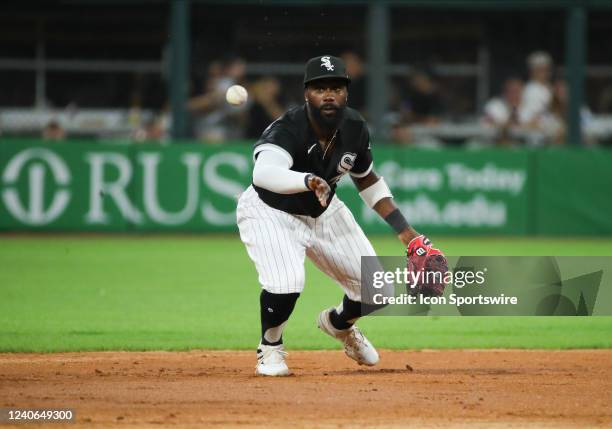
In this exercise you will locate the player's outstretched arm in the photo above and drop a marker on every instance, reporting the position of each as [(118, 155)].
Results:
[(420, 253), (376, 194), (272, 172)]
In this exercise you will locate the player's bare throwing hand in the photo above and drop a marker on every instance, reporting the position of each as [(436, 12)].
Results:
[(291, 211)]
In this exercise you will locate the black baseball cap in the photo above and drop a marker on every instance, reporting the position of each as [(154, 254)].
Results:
[(325, 67)]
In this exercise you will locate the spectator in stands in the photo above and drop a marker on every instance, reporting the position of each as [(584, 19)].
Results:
[(422, 103), (537, 94), (554, 123), (354, 68), (604, 104), (215, 119), (265, 106), (153, 130), (214, 75), (53, 131), (502, 113)]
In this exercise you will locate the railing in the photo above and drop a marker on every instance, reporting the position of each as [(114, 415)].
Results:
[(122, 123)]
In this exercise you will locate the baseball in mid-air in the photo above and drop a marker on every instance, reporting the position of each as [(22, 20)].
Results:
[(236, 95)]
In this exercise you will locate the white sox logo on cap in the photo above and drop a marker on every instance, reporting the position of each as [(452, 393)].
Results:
[(326, 62)]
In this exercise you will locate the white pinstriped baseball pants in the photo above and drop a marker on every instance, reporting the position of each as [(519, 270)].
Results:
[(277, 243)]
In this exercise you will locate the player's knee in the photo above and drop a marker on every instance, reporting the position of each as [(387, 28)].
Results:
[(276, 307), (284, 283)]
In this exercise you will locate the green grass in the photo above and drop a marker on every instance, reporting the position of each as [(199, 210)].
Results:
[(67, 293)]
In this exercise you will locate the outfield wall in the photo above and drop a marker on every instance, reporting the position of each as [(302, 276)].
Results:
[(84, 186)]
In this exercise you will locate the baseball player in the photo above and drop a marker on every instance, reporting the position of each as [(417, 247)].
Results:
[(290, 211)]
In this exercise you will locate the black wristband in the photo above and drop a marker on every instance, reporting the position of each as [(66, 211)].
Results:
[(397, 221), (307, 179)]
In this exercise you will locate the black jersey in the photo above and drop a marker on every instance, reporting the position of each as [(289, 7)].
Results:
[(294, 136)]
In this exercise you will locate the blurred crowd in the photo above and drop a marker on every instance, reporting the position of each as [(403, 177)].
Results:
[(215, 121), (534, 111), (529, 111)]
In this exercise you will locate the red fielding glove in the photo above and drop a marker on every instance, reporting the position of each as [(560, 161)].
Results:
[(423, 257)]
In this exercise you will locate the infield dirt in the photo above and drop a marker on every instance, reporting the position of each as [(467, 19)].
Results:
[(497, 388)]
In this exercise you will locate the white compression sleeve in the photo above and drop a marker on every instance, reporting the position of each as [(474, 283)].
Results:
[(376, 192), (272, 172)]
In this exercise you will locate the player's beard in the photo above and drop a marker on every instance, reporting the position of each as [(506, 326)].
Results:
[(325, 122)]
